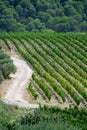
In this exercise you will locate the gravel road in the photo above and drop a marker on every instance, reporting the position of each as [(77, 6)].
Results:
[(16, 89)]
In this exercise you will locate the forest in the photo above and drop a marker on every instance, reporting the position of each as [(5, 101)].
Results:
[(43, 15)]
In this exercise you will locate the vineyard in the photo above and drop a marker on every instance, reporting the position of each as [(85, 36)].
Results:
[(59, 62)]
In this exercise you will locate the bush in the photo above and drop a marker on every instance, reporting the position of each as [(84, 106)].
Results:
[(6, 66)]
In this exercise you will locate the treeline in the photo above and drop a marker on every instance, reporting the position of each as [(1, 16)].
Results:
[(43, 15), (6, 66)]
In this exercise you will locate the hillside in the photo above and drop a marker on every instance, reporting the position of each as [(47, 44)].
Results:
[(59, 80), (59, 64), (43, 15)]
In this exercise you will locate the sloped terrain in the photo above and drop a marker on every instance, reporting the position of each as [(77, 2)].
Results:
[(59, 63)]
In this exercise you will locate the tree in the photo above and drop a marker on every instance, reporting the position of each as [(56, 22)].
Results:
[(59, 12), (35, 24), (19, 10), (42, 5), (69, 10), (6, 66), (62, 27), (44, 16), (17, 27), (83, 26), (73, 24)]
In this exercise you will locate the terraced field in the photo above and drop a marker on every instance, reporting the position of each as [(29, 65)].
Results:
[(59, 62)]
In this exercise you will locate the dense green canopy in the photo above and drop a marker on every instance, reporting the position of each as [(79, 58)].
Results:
[(43, 15)]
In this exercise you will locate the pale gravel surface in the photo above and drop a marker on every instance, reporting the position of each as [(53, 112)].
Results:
[(14, 95)]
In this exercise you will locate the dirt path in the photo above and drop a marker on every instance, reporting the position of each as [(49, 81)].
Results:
[(21, 78)]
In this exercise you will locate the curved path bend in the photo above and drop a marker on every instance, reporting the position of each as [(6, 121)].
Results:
[(16, 89)]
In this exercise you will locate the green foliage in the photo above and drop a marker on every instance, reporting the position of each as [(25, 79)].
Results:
[(47, 126), (59, 61), (32, 90), (45, 117), (43, 86), (60, 65), (41, 15), (6, 66)]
